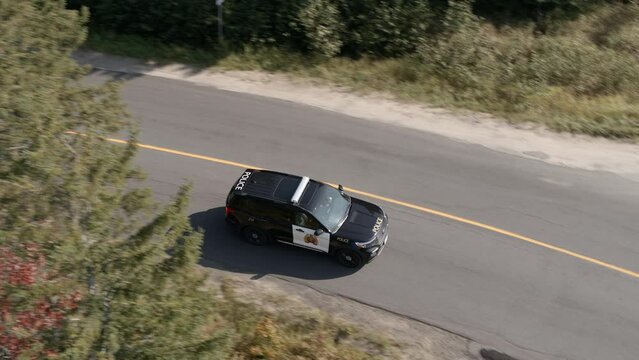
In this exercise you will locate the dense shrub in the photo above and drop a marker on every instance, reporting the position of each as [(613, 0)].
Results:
[(385, 27), (614, 27), (464, 55), (189, 21), (474, 57), (326, 27), (509, 11), (582, 66), (259, 22), (322, 26)]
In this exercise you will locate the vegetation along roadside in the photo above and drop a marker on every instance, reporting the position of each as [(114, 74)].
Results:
[(91, 266), (571, 66)]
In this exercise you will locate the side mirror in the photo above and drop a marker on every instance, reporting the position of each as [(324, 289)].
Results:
[(340, 188), (319, 232)]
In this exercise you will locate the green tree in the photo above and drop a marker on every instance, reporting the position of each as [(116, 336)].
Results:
[(31, 313), (186, 21), (71, 194), (322, 26), (385, 28), (509, 11), (258, 22)]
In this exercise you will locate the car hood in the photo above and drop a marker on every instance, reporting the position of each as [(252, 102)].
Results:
[(360, 225)]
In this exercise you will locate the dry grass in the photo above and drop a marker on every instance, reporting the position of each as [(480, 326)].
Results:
[(275, 330)]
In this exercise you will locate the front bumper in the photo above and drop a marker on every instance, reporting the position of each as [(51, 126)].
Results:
[(374, 251)]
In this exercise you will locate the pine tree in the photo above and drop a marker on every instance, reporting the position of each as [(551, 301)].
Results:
[(67, 192), (29, 319)]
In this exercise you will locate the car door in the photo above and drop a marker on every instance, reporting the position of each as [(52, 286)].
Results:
[(280, 219), (303, 228), (253, 212)]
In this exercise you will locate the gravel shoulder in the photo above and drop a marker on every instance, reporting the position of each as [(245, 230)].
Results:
[(412, 340)]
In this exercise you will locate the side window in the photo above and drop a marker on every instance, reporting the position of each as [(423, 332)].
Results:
[(265, 210), (304, 220), (280, 215), (250, 206)]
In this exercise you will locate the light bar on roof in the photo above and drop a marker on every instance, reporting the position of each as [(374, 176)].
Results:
[(300, 189)]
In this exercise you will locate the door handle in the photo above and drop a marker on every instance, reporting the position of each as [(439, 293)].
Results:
[(300, 230)]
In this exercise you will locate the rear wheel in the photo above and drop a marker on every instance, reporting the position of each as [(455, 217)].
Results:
[(255, 236), (349, 258)]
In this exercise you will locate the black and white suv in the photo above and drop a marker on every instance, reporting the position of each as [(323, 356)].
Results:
[(269, 206)]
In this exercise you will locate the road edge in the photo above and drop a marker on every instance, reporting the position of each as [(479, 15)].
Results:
[(574, 151)]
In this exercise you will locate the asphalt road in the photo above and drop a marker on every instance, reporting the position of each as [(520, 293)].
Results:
[(529, 301)]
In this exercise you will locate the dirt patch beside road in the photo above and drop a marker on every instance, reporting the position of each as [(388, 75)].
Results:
[(407, 339)]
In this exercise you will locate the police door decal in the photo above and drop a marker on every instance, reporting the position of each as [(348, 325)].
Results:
[(306, 237)]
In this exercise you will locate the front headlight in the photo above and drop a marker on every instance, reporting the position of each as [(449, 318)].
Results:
[(363, 245)]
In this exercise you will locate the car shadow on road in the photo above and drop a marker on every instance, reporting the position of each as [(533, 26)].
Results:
[(223, 248)]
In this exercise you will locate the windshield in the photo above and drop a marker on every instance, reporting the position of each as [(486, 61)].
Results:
[(330, 207)]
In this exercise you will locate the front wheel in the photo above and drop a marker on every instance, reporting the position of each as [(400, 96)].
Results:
[(349, 258), (255, 236)]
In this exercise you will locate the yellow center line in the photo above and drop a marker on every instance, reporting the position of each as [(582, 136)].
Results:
[(191, 155), (499, 231), (414, 207)]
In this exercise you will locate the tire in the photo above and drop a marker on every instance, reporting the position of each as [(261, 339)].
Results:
[(255, 236), (349, 258)]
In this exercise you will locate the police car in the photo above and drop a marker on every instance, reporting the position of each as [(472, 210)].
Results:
[(269, 206)]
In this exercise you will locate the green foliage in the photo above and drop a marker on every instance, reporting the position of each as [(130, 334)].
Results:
[(566, 84), (625, 38), (459, 53), (509, 11), (503, 80), (459, 17), (510, 70), (270, 23), (613, 27), (322, 25), (384, 27), (91, 266), (189, 21), (71, 196), (583, 67)]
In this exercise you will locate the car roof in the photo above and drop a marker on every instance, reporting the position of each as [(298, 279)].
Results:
[(277, 186)]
